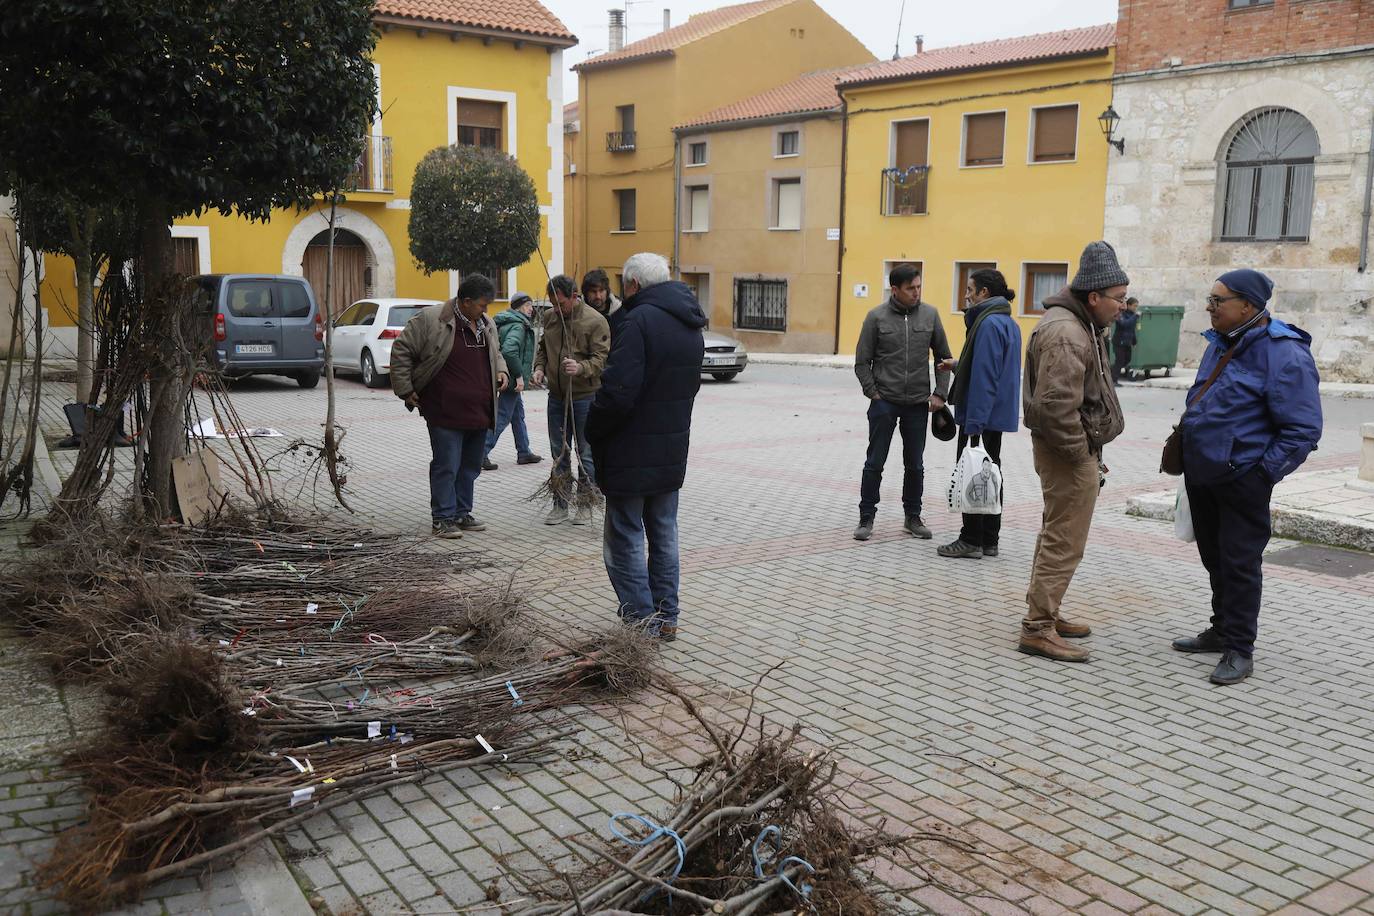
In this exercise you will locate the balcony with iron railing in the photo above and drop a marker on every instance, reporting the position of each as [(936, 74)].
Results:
[(904, 190), (620, 141), (372, 171)]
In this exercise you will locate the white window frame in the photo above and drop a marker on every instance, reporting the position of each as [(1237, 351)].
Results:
[(688, 163), (691, 228), (1027, 290), (777, 140), (1077, 130), (202, 236), (963, 138), (773, 199)]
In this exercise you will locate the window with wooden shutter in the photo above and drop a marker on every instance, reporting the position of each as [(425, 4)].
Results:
[(912, 143), (480, 123), (698, 209), (983, 138), (1055, 134), (1041, 282), (186, 256), (787, 202)]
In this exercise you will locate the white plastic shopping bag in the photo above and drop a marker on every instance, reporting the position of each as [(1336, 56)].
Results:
[(975, 487), (1183, 516)]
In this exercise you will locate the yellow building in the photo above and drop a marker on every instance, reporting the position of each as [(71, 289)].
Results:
[(630, 99), (448, 71), (758, 214), (979, 155)]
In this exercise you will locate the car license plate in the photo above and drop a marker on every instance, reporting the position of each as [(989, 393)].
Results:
[(720, 361), (248, 349)]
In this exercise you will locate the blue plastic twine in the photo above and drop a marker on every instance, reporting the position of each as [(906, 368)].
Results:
[(656, 831), (775, 834), (513, 695)]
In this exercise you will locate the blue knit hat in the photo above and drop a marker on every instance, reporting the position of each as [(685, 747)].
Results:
[(1251, 284)]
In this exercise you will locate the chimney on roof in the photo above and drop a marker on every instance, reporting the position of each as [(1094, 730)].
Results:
[(617, 39), (920, 43), (667, 19)]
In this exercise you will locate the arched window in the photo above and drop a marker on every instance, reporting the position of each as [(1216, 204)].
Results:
[(1269, 178)]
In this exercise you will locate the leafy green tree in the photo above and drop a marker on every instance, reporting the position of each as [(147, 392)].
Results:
[(472, 209), (173, 107)]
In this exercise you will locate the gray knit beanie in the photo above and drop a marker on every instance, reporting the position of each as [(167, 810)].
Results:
[(1098, 269)]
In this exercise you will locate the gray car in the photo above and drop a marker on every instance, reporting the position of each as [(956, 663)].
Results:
[(725, 357), (262, 324)]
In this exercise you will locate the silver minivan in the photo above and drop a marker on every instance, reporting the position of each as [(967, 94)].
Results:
[(262, 324)]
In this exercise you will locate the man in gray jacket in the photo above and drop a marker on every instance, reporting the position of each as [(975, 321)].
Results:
[(892, 361)]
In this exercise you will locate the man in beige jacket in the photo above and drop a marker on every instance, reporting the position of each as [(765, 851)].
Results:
[(447, 363), (1071, 409), (570, 358)]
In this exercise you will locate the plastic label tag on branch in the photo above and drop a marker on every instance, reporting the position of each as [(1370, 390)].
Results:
[(312, 608), (374, 729), (302, 795)]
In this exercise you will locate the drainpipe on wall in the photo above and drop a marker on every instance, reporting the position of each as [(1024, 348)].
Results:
[(839, 257), (677, 199), (1368, 189)]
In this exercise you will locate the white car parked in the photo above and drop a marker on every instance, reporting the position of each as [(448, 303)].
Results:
[(364, 332)]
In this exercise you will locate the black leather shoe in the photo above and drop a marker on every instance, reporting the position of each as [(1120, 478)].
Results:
[(1206, 641), (1233, 668)]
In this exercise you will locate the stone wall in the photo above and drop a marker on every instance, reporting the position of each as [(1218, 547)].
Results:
[(1163, 198), (1152, 34)]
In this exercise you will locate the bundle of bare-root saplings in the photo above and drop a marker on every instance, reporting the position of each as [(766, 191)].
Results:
[(259, 673)]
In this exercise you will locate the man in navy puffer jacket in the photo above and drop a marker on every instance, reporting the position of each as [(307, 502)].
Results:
[(639, 430), (1254, 425)]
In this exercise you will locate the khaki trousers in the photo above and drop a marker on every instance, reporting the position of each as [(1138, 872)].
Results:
[(1070, 491)]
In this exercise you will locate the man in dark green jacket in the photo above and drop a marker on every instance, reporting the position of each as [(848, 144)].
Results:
[(516, 329)]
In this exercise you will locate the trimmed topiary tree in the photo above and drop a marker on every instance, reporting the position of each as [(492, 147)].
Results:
[(472, 209)]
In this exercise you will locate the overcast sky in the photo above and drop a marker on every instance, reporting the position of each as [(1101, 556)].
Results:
[(874, 22)]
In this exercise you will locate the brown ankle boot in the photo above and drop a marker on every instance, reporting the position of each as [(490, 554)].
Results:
[(1070, 630), (1041, 639)]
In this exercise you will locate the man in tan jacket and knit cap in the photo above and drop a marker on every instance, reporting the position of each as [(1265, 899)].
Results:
[(1071, 409)]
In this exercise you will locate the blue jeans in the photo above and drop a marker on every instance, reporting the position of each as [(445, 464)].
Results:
[(645, 585), (510, 411), (558, 438), (883, 420), (453, 468)]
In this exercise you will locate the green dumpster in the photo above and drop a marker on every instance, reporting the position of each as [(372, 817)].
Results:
[(1156, 340)]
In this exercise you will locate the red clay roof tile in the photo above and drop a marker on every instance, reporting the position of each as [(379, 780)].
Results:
[(1003, 52), (810, 92), (524, 17), (698, 26)]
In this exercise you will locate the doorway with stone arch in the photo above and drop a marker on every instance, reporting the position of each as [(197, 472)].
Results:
[(353, 267)]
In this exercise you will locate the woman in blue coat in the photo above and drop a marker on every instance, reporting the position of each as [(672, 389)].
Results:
[(986, 393), (1252, 426)]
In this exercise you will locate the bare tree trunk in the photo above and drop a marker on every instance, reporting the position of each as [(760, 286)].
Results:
[(170, 369), (82, 230), (331, 441)]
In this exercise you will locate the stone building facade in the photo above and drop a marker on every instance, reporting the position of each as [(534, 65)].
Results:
[(1261, 161)]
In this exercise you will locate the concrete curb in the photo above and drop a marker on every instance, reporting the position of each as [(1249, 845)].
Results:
[(820, 361), (267, 884), (1298, 524), (1329, 389)]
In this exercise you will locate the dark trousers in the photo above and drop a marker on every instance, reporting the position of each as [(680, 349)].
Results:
[(1231, 524), (453, 469), (982, 530), (1123, 359), (883, 420)]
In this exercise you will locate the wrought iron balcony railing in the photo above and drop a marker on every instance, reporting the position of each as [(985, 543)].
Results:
[(904, 190), (622, 141)]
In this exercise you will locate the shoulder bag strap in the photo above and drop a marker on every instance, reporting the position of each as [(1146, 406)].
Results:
[(1216, 371)]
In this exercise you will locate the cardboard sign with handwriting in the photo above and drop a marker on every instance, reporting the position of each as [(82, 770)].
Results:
[(195, 477)]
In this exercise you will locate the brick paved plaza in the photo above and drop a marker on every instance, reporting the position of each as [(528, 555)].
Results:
[(1129, 784)]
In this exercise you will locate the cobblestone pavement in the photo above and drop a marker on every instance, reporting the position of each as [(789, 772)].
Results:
[(1126, 785)]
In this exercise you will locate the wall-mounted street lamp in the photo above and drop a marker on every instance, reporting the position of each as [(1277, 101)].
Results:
[(1108, 120)]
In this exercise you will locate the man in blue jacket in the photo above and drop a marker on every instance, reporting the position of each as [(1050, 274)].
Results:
[(639, 429), (1252, 418), (986, 394)]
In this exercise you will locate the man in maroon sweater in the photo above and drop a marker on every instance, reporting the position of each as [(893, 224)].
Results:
[(447, 363)]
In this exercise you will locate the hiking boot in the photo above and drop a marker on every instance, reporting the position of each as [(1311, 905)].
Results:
[(960, 549), (917, 528), (666, 632), (583, 515), (1044, 641), (489, 465), (1233, 668), (557, 515), (1070, 630), (468, 523), (1206, 641), (446, 528), (865, 529), (531, 458), (989, 551)]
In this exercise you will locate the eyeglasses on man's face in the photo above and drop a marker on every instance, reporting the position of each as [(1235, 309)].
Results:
[(1214, 301), (1120, 300)]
